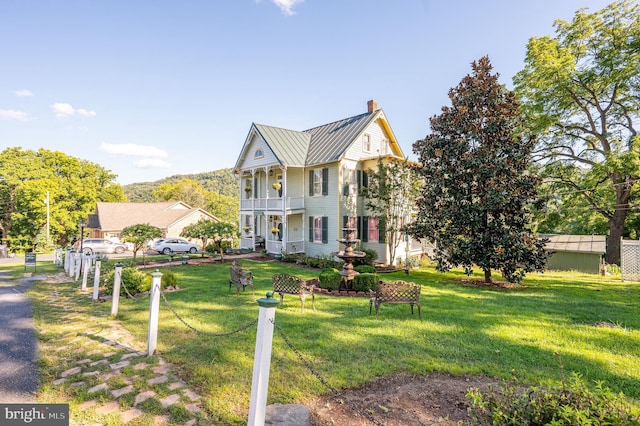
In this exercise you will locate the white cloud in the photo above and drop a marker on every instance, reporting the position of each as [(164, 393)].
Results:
[(86, 113), (286, 6), (151, 163), (24, 92), (64, 110), (7, 114), (133, 150)]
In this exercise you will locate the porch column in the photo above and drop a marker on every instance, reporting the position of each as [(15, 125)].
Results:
[(285, 219)]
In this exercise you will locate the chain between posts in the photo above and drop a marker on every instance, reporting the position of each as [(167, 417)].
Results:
[(320, 378), (228, 333), (125, 289)]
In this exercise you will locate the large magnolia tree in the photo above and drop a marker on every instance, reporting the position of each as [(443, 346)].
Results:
[(477, 194), (581, 92)]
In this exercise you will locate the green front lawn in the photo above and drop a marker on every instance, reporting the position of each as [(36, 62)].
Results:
[(587, 322)]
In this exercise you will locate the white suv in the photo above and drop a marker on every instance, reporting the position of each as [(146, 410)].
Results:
[(100, 245)]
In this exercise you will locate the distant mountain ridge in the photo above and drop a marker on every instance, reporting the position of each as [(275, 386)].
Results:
[(222, 181)]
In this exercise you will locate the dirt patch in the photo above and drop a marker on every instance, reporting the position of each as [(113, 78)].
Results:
[(497, 285), (401, 399)]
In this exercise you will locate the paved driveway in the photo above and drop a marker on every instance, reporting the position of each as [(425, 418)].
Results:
[(18, 344)]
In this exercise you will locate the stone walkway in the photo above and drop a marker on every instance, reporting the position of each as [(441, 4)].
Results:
[(94, 364)]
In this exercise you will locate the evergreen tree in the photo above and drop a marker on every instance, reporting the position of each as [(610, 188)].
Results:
[(477, 192)]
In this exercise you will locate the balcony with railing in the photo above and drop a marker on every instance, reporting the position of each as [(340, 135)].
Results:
[(272, 204)]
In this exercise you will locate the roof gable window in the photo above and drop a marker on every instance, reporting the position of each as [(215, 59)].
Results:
[(366, 142), (258, 154)]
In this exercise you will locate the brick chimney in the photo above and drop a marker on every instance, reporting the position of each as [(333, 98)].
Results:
[(372, 105)]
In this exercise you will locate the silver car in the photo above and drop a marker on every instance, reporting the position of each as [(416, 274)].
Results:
[(175, 245), (100, 245)]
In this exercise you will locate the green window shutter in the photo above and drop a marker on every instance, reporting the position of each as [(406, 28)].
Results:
[(310, 183), (365, 229), (382, 231), (325, 181), (325, 230), (359, 226), (310, 229), (365, 179), (345, 221)]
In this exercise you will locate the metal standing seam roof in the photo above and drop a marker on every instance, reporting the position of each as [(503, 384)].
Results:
[(289, 146), (330, 141), (576, 243)]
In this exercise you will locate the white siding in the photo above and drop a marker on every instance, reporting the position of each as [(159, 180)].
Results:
[(379, 143), (323, 205), (257, 143)]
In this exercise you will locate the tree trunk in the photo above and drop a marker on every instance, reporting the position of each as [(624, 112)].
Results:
[(616, 223), (487, 276), (616, 228)]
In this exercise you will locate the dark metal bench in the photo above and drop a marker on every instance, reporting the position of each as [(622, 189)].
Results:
[(395, 292), (290, 284), (240, 277)]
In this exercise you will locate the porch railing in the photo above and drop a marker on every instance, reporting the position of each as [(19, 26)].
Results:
[(291, 203)]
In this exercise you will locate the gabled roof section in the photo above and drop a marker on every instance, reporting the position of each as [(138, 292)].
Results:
[(117, 216), (320, 145), (330, 141), (289, 146)]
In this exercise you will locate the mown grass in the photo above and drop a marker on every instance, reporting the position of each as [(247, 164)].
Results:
[(587, 323)]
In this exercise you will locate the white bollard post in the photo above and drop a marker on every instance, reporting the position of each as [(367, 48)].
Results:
[(96, 279), (115, 297), (262, 360), (154, 310), (77, 258), (72, 264), (86, 261), (67, 256)]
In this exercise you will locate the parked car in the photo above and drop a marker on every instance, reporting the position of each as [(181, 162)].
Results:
[(175, 245), (100, 245)]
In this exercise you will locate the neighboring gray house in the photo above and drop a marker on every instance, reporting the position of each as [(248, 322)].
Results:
[(298, 189), (584, 253)]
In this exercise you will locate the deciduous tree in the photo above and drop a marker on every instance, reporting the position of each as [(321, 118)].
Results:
[(581, 92), (391, 195), (477, 192), (139, 235)]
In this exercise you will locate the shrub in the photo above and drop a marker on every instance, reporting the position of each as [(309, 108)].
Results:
[(330, 279), (571, 403), (370, 257), (365, 269), (131, 278), (365, 281), (412, 262), (169, 279)]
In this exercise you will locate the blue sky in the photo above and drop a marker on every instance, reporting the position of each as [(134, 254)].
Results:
[(150, 89)]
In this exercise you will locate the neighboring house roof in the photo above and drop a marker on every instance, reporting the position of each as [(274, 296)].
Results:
[(576, 243), (117, 216), (320, 145)]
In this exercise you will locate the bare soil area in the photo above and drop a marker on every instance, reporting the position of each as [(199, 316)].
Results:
[(402, 399)]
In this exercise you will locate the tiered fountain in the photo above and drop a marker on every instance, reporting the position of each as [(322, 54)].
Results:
[(348, 254)]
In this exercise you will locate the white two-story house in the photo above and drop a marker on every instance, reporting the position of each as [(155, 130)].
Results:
[(299, 189)]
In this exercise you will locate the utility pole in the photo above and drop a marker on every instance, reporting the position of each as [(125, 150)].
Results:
[(46, 201)]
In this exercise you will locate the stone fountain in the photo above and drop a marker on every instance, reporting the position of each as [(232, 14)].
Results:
[(349, 254)]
